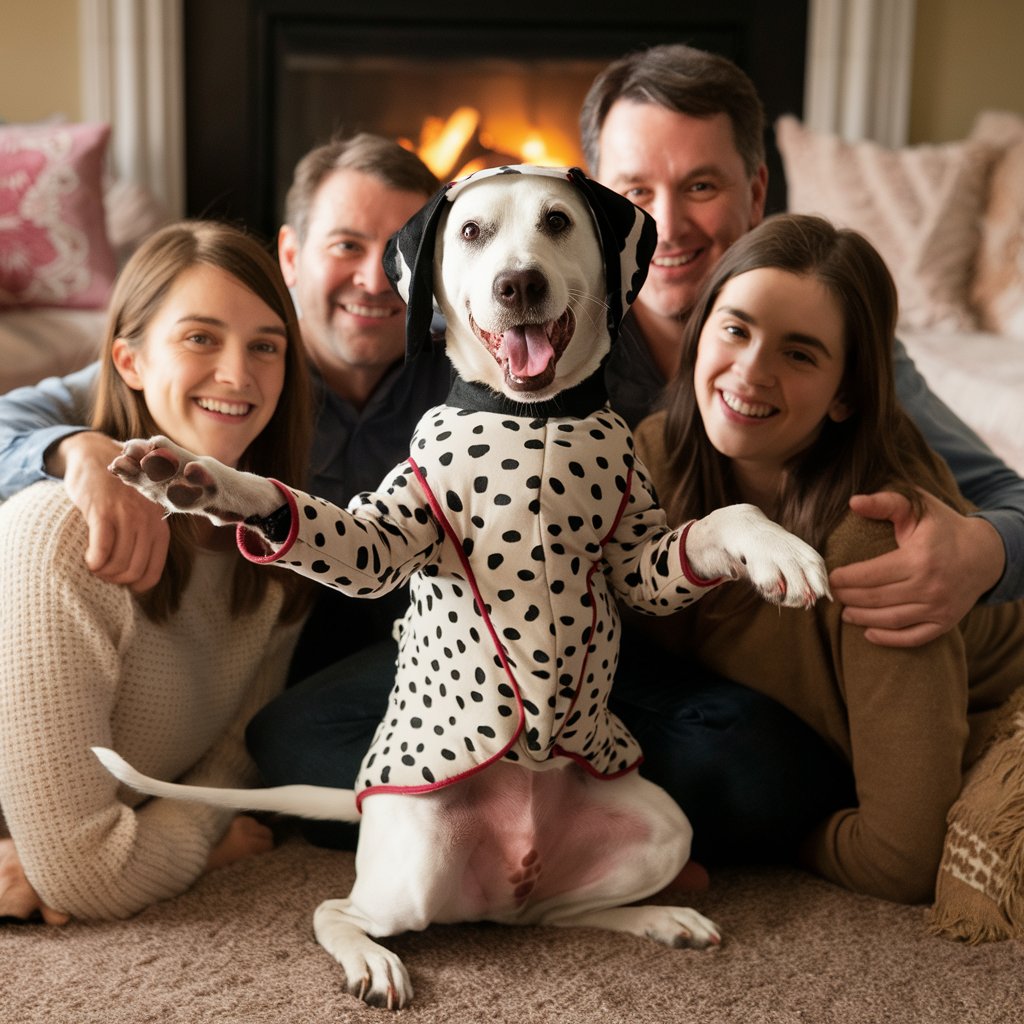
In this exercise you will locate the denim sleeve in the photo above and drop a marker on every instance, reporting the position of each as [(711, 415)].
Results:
[(33, 418), (982, 476)]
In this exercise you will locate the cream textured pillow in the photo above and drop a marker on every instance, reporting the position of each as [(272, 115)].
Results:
[(919, 206), (998, 290)]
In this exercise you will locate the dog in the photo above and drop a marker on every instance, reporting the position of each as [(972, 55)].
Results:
[(499, 786)]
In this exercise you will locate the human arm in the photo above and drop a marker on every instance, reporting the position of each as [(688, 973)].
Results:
[(943, 563), (35, 419), (906, 731), (42, 436), (950, 561)]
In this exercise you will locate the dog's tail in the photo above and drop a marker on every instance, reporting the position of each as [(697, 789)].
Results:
[(321, 802)]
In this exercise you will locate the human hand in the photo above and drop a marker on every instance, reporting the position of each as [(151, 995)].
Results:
[(128, 534), (245, 837), (943, 563), (17, 897)]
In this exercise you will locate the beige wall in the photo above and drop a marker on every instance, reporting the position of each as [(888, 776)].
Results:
[(968, 57), (39, 59)]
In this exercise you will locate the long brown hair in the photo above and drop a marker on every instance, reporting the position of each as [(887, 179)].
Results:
[(281, 449), (875, 447)]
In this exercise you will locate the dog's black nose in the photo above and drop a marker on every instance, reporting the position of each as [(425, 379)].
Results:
[(520, 289)]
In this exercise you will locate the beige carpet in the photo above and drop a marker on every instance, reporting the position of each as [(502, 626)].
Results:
[(239, 948)]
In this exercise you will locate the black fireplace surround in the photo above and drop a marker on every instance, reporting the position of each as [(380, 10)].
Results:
[(239, 153)]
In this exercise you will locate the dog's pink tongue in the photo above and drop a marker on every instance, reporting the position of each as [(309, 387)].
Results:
[(528, 349)]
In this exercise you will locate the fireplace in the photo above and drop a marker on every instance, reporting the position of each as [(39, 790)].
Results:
[(463, 85)]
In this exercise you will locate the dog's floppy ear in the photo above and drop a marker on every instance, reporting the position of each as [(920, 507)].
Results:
[(409, 264), (628, 237)]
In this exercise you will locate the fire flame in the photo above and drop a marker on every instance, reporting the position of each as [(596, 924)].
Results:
[(464, 142)]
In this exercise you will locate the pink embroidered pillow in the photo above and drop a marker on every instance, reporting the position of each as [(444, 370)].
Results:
[(998, 290), (919, 206), (53, 242)]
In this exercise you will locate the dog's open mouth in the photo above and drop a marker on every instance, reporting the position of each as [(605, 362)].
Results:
[(529, 352)]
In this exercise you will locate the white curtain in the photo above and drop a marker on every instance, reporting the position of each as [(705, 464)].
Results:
[(132, 68), (859, 60)]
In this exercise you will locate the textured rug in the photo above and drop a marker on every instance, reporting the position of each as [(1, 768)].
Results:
[(239, 948)]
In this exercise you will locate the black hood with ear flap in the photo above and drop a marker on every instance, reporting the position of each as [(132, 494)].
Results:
[(627, 234), (409, 264), (628, 238)]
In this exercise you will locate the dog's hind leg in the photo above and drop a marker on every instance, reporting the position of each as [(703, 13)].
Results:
[(634, 871), (671, 926)]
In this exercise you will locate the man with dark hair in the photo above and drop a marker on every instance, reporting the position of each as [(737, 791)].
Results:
[(347, 198), (679, 132)]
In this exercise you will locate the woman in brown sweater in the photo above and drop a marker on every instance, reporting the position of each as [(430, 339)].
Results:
[(785, 399)]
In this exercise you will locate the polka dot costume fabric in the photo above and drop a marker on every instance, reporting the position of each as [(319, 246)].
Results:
[(517, 535)]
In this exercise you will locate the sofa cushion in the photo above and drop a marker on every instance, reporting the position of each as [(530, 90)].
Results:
[(54, 249), (920, 206), (998, 290)]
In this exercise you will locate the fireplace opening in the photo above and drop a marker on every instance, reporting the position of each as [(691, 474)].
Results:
[(457, 116), (462, 85)]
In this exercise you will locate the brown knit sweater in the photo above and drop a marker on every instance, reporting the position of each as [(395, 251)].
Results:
[(909, 721), (81, 665)]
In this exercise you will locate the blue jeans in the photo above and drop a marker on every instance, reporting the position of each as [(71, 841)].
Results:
[(751, 776)]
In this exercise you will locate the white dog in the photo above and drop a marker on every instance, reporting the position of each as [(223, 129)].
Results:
[(499, 787)]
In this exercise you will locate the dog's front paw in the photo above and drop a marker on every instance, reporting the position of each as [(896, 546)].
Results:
[(372, 973), (179, 481), (741, 542)]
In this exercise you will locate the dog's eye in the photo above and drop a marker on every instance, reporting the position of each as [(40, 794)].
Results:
[(470, 231), (557, 222)]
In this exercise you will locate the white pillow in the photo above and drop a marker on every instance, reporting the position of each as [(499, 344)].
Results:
[(919, 206), (998, 290)]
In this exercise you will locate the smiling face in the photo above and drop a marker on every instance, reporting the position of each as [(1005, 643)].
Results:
[(687, 173), (210, 363), (768, 372), (352, 322), (519, 276)]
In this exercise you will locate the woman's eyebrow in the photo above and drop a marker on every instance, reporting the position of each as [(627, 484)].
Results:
[(214, 322), (798, 336)]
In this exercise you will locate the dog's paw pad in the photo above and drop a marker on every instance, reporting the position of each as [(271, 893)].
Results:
[(159, 465), (183, 495), (196, 473)]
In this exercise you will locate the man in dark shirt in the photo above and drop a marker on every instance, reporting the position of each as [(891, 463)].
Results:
[(346, 199)]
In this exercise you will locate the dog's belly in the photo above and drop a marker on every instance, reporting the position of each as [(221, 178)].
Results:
[(529, 837)]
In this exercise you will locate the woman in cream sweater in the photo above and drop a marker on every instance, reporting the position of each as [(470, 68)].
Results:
[(785, 399), (202, 345)]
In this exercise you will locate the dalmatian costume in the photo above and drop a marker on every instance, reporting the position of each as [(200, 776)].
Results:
[(518, 526)]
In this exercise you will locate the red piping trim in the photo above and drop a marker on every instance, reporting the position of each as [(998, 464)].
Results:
[(244, 535), (690, 575), (471, 580)]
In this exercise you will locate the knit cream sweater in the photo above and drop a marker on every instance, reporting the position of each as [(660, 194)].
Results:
[(81, 665)]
